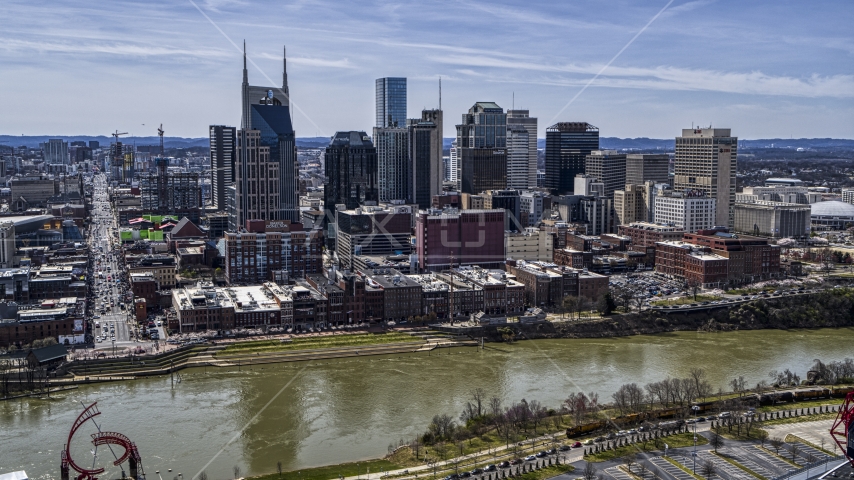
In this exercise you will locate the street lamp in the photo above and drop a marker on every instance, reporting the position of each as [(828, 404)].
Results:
[(695, 408)]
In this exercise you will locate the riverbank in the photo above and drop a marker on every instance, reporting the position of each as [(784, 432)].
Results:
[(833, 308)]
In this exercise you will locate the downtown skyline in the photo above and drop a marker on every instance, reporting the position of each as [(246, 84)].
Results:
[(763, 69)]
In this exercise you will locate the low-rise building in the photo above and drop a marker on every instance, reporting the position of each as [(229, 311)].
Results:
[(372, 231), (265, 249), (689, 211), (530, 245), (648, 234), (772, 219)]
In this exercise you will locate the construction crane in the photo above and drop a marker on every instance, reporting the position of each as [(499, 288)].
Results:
[(117, 134), (160, 133)]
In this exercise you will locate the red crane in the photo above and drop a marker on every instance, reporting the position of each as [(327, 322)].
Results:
[(842, 430)]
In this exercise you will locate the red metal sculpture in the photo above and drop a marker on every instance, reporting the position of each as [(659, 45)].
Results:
[(842, 430), (130, 452)]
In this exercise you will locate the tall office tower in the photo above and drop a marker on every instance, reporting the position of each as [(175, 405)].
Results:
[(256, 181), (517, 157), (706, 161), (609, 167), (351, 171), (567, 145), (266, 111), (425, 154), (393, 165), (642, 168), (482, 148), (252, 95), (454, 163), (55, 151), (522, 118), (391, 102), (276, 132), (223, 157)]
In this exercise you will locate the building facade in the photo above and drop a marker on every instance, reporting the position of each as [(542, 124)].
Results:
[(459, 237), (223, 142), (706, 161), (522, 118), (482, 148), (773, 219), (391, 102), (642, 168), (689, 211), (609, 168), (567, 146), (394, 172)]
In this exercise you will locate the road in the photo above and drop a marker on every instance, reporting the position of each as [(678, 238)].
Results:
[(111, 320)]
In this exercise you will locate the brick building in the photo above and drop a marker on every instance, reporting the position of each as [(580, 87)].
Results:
[(265, 248), (459, 237)]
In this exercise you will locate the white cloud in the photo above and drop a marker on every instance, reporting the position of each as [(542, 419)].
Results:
[(674, 78), (312, 62), (106, 47)]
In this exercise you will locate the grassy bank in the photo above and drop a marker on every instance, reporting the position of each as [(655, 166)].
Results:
[(804, 404), (326, 341), (333, 471)]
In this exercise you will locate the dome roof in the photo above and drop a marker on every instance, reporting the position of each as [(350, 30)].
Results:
[(832, 209)]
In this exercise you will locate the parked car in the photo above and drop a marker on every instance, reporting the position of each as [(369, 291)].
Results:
[(530, 458), (576, 445), (504, 464), (490, 468), (541, 455)]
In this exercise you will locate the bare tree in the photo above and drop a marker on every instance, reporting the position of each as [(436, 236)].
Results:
[(204, 475), (794, 452), (762, 436), (708, 469), (478, 399), (716, 441), (776, 443), (739, 385), (278, 469), (629, 459), (236, 470), (589, 472)]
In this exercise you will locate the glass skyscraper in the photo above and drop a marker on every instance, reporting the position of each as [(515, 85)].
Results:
[(391, 102)]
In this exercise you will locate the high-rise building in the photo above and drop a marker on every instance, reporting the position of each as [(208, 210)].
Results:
[(266, 171), (706, 161), (176, 194), (55, 151), (523, 119), (567, 146), (517, 157), (609, 167), (256, 181), (391, 102), (351, 171), (223, 158), (482, 148), (642, 168), (454, 163), (425, 155), (393, 165), (372, 231)]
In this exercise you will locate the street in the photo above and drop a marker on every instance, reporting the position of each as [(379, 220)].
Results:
[(112, 323)]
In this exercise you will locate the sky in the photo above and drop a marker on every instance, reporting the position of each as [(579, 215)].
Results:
[(764, 69)]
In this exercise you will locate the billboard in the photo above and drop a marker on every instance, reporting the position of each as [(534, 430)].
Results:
[(78, 325)]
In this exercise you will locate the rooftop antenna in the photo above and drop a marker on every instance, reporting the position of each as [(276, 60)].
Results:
[(440, 93), (514, 101)]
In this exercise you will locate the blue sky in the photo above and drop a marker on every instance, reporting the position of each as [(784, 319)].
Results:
[(764, 69)]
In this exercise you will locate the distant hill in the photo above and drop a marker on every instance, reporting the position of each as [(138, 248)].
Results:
[(613, 143)]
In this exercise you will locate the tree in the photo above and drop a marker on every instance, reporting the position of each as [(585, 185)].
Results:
[(708, 469), (739, 385), (762, 436), (589, 472), (236, 471), (571, 305), (794, 451), (776, 443), (629, 459), (716, 441), (278, 469), (694, 287), (606, 304), (204, 475)]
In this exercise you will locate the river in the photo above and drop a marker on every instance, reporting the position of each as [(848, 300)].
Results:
[(318, 413)]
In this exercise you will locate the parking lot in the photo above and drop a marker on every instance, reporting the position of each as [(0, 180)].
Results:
[(817, 433)]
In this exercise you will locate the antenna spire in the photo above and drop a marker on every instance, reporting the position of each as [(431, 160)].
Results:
[(440, 93), (245, 74)]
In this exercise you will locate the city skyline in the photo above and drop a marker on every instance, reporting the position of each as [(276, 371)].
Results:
[(763, 69)]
